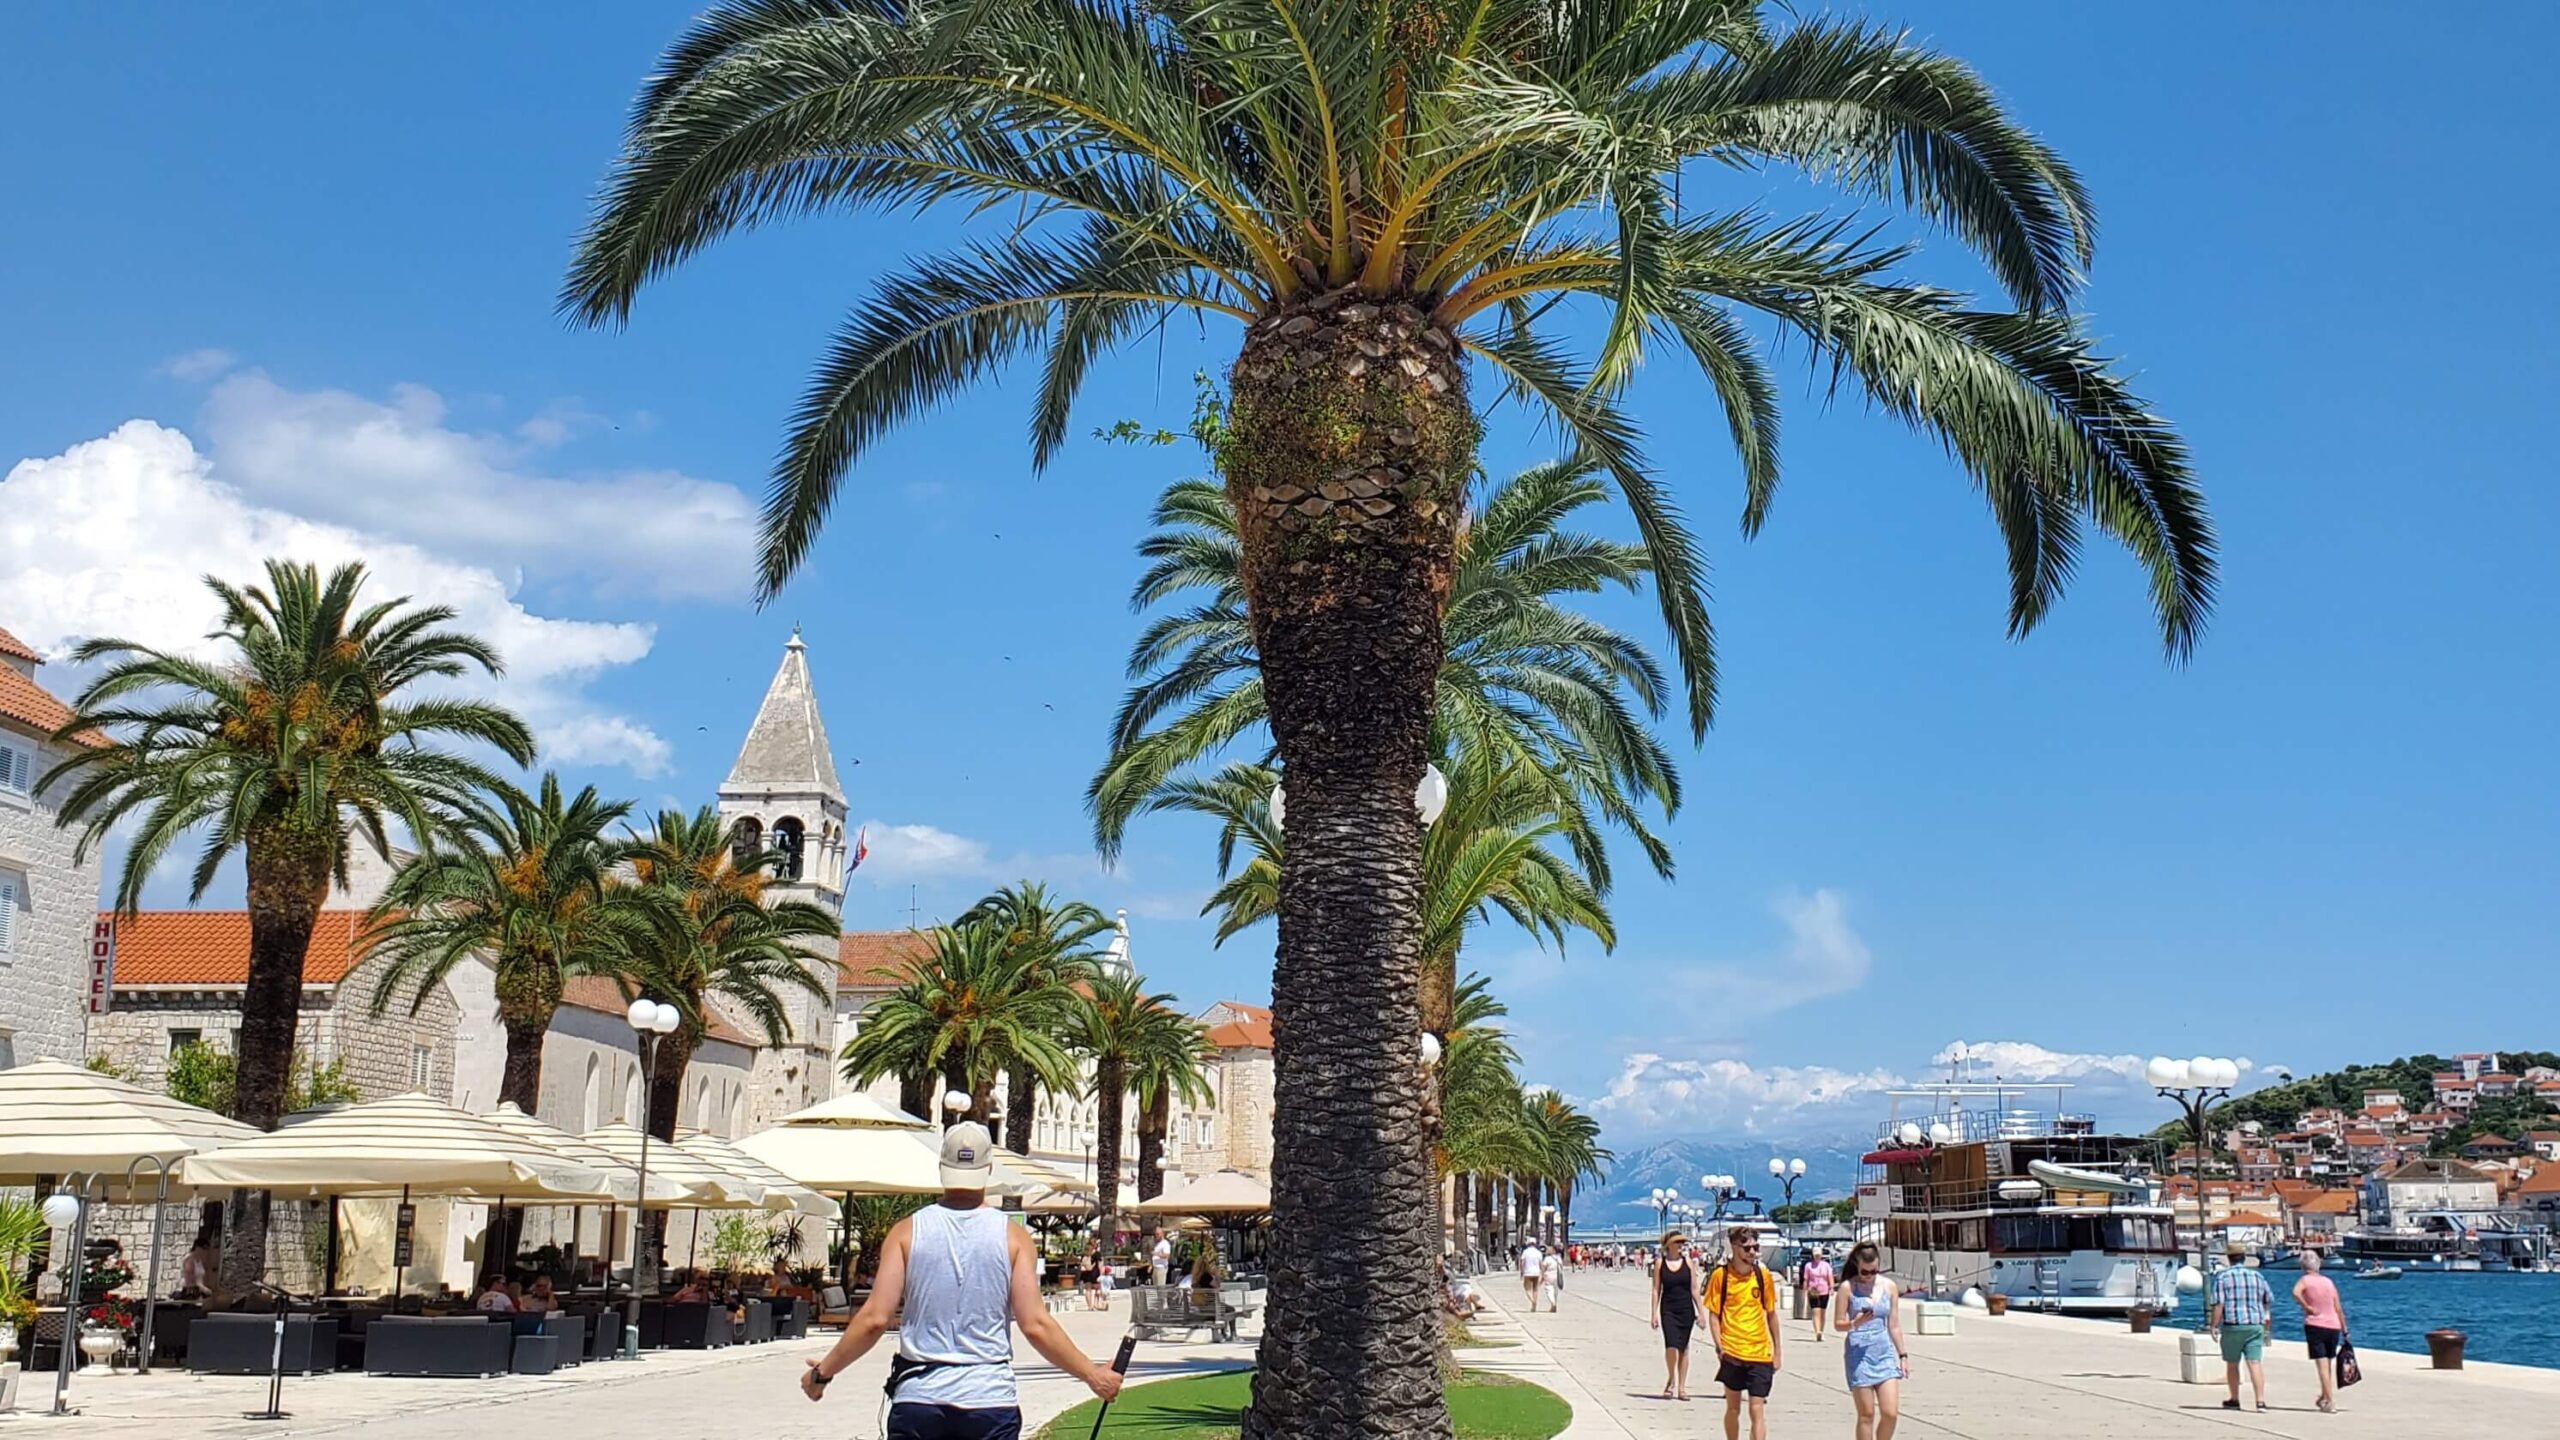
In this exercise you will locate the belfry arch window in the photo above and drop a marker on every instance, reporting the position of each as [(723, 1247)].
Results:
[(788, 839), (746, 842)]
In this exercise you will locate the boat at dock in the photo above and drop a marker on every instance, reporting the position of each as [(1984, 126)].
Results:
[(2006, 1192)]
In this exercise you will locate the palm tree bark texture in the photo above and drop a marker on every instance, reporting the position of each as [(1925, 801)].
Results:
[(1352, 445), (287, 883)]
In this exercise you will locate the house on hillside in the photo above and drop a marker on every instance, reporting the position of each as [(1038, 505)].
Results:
[(48, 896), (2491, 1146), (2427, 1185), (2544, 1143)]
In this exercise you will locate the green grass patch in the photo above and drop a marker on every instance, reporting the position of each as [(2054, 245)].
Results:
[(1211, 1407)]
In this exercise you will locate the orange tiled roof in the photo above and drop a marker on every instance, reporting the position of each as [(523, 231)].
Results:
[(1248, 1028), (879, 957), (2327, 1202), (15, 648), (2545, 1181), (602, 994), (209, 949), (30, 704)]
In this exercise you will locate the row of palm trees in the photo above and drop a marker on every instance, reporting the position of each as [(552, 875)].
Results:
[(315, 729), (1016, 990)]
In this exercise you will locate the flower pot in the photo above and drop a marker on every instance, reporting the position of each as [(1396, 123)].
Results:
[(100, 1347), (1996, 1304), (2444, 1348), (2141, 1321)]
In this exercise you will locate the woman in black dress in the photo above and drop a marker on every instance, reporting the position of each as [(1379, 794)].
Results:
[(1675, 1312)]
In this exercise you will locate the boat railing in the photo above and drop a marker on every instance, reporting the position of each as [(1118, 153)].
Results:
[(1994, 1124)]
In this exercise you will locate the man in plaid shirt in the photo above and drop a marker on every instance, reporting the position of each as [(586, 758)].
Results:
[(2240, 1307)]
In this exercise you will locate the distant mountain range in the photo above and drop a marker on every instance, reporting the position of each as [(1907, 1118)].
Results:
[(1625, 1197)]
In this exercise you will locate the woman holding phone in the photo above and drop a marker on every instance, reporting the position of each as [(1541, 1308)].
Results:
[(1870, 1326)]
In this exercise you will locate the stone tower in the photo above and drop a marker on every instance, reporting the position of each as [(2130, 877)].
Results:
[(783, 795)]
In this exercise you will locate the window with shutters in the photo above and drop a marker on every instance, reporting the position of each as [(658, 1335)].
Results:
[(17, 767), (12, 885)]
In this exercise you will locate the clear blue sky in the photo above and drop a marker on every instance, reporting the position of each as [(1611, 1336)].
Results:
[(2330, 837)]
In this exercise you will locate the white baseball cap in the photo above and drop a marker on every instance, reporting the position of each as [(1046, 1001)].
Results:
[(968, 1156)]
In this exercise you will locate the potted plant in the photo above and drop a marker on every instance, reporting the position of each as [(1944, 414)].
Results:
[(22, 1229)]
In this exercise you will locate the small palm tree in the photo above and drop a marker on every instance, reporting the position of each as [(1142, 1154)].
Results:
[(974, 1005), (1126, 1033), (1051, 940), (1392, 201), (707, 931), (1524, 678), (1565, 1150), (297, 739), (533, 892)]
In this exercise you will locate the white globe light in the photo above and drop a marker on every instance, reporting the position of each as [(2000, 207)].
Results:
[(61, 1210), (1658, 1196), (2190, 1280), (1939, 1134), (1672, 1194), (1796, 1168), (1777, 1167), (2226, 1073), (2202, 1069), (1707, 1182), (1430, 1048), (956, 1101), (1280, 805), (669, 1017), (1909, 1134), (641, 1013), (2164, 1073), (1165, 1162), (1432, 795)]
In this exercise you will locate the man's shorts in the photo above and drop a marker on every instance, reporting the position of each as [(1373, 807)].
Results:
[(910, 1421), (2243, 1342), (1748, 1377)]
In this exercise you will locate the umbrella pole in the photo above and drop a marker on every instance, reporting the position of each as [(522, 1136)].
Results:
[(151, 1278), (693, 1238), (399, 1272), (329, 1272)]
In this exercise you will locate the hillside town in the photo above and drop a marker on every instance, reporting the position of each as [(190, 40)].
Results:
[(2379, 1167)]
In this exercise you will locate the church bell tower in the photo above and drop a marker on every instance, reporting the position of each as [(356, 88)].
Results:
[(783, 796)]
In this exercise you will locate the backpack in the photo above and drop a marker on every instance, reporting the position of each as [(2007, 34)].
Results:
[(1761, 1281)]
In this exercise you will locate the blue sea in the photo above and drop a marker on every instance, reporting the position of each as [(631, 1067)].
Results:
[(2513, 1319)]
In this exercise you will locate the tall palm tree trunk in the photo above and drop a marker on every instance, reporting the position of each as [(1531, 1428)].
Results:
[(1153, 1124), (520, 1083), (1110, 1091), (1352, 443), (915, 1095), (288, 881), (1021, 1097), (1486, 1227)]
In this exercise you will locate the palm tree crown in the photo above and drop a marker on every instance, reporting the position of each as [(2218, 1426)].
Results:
[(974, 1004), (1050, 939), (1474, 160), (1124, 1031), (533, 892), (1525, 679)]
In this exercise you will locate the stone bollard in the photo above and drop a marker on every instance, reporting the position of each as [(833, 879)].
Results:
[(2199, 1359), (2444, 1348)]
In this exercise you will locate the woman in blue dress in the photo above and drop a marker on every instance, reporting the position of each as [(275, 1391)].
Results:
[(1870, 1327)]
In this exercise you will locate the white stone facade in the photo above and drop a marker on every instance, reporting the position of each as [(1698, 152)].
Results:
[(50, 896)]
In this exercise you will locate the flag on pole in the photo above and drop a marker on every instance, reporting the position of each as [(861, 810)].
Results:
[(861, 851)]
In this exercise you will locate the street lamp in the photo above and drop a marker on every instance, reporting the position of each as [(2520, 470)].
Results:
[(2195, 1085), (1786, 1173), (1430, 797), (63, 1211), (650, 1021), (1927, 1143)]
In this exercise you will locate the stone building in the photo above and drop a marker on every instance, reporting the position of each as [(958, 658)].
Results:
[(47, 896)]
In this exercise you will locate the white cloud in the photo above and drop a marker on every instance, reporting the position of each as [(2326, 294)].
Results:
[(397, 468), (1822, 956), (925, 854), (114, 537), (2024, 1060), (198, 364), (1727, 1096)]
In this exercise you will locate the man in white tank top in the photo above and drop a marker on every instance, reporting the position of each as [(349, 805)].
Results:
[(951, 1277)]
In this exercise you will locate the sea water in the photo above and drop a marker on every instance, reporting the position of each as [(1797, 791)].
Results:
[(2514, 1319)]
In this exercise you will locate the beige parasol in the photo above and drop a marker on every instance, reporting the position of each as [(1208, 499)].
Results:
[(407, 1142), (1228, 1192), (783, 1195), (58, 1119)]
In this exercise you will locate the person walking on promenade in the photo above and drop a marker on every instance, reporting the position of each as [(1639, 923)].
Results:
[(1675, 1312), (2324, 1325), (1816, 1281), (951, 1276), (2240, 1309), (1742, 1322), (1532, 1270), (1870, 1326), (1160, 1259), (1550, 1280)]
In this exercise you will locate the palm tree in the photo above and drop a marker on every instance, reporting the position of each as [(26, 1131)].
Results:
[(293, 740), (1124, 1032), (1480, 1133), (1051, 940), (975, 1004), (1389, 199), (1174, 1068), (1524, 678), (706, 930), (535, 895), (1566, 1149)]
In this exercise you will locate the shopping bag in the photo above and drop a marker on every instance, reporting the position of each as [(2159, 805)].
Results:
[(2349, 1372)]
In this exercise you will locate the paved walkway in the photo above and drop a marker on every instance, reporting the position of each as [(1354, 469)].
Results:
[(746, 1392), (2019, 1377)]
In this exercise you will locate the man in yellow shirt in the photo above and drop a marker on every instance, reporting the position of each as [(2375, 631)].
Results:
[(1742, 1322)]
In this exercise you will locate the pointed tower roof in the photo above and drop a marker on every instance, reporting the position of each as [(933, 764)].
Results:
[(786, 748), (1115, 956)]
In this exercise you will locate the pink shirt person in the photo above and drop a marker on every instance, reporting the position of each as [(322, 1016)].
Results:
[(2319, 1297)]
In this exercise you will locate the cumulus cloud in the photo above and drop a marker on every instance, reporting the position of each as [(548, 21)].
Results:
[(198, 365), (1652, 1093), (2023, 1060), (114, 537), (398, 467)]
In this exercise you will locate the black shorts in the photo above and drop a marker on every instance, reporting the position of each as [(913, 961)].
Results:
[(2323, 1341), (909, 1421), (1749, 1377)]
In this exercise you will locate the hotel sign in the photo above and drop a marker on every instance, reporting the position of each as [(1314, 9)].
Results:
[(102, 965)]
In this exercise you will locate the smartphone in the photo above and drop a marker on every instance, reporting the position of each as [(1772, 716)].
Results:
[(1128, 1347)]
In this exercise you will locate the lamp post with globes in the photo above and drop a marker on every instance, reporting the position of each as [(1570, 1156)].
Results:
[(651, 1021), (1663, 1200), (2196, 1085), (1927, 1143), (1786, 1173), (63, 1211)]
